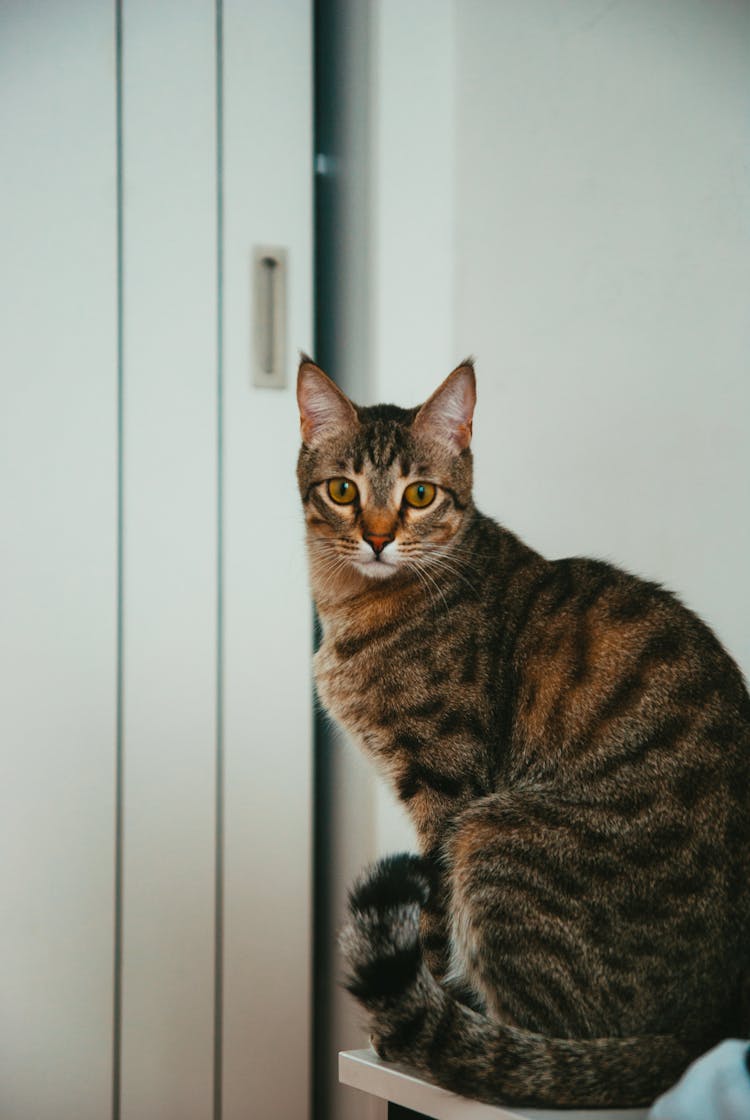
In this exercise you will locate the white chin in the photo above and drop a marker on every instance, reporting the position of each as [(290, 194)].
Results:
[(375, 569)]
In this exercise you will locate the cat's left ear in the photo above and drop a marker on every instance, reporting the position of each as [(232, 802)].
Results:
[(447, 416), (323, 409)]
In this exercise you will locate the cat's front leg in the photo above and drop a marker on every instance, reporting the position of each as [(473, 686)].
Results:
[(434, 924)]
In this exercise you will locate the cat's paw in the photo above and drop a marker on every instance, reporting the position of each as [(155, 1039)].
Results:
[(461, 992), (376, 1044)]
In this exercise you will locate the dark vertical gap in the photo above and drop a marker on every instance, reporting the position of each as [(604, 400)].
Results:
[(326, 142), (219, 867), (117, 979), (324, 59), (343, 128)]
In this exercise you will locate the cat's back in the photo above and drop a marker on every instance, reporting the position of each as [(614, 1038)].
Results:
[(601, 654), (631, 726), (583, 644), (629, 704)]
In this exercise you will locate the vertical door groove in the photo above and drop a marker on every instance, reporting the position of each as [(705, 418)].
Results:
[(117, 978), (219, 855)]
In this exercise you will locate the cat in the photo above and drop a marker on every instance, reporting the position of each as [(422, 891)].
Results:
[(572, 745)]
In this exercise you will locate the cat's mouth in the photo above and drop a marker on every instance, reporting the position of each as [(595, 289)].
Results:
[(376, 567)]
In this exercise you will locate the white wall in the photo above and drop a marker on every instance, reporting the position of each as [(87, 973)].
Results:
[(602, 275), (563, 190)]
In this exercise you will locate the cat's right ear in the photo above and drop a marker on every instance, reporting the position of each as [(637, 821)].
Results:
[(323, 409), (447, 416)]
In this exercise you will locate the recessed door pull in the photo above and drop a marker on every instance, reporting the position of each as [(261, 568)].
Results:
[(269, 317)]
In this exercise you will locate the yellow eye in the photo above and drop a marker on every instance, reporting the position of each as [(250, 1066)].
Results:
[(420, 494), (342, 491)]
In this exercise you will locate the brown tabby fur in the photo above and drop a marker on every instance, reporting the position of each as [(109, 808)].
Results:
[(573, 747)]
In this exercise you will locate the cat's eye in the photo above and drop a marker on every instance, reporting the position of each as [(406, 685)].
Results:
[(420, 494), (342, 491)]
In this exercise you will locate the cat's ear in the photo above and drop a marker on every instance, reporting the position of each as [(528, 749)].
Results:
[(323, 408), (447, 416)]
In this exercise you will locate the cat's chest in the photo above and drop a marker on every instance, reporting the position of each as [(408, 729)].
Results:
[(401, 693), (367, 685)]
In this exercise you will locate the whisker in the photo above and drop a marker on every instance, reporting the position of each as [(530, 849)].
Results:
[(442, 562), (429, 581), (413, 567), (327, 565)]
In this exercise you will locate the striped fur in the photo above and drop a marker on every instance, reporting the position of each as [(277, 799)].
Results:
[(573, 747)]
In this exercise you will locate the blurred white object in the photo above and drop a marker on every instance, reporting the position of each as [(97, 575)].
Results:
[(715, 1087)]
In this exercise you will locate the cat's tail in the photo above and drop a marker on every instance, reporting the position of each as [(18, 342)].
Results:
[(414, 1019)]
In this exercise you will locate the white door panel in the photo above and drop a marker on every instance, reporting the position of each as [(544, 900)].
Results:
[(170, 560), (58, 547), (267, 710)]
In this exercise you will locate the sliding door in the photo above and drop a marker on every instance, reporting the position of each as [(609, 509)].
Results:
[(156, 629)]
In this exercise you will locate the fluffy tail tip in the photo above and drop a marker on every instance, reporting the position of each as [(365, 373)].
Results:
[(380, 942)]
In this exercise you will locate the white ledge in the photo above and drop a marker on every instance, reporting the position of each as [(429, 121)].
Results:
[(362, 1069)]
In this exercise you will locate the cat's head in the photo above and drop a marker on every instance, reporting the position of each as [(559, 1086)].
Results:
[(386, 490)]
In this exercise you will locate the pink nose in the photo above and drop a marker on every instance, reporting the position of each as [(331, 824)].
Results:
[(377, 542)]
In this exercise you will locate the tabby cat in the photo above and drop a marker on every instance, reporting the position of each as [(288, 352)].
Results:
[(573, 747)]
